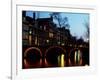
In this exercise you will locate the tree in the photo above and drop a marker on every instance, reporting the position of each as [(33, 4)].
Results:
[(61, 21), (87, 30)]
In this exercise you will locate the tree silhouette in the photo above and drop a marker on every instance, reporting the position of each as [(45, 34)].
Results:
[(87, 30), (61, 21)]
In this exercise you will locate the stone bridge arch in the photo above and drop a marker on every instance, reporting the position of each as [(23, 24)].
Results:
[(55, 56), (32, 57)]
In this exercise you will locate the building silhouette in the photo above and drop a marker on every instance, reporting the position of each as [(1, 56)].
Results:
[(43, 31)]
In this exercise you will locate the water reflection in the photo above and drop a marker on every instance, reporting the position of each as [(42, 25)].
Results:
[(75, 57)]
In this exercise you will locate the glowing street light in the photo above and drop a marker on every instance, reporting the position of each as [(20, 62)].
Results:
[(30, 32), (47, 41)]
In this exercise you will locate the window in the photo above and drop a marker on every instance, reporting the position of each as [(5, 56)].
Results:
[(50, 34)]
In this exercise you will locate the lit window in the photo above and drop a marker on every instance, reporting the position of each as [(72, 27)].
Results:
[(50, 34), (44, 27)]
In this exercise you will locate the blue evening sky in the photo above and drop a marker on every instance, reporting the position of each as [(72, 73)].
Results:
[(75, 20)]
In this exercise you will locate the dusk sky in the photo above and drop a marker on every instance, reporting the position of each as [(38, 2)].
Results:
[(75, 20)]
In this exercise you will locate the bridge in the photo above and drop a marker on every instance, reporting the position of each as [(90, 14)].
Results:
[(55, 56)]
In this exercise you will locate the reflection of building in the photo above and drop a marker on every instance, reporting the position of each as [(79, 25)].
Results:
[(42, 31)]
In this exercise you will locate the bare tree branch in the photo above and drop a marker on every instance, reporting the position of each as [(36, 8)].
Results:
[(61, 21)]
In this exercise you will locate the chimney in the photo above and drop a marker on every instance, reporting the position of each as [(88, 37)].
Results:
[(34, 15)]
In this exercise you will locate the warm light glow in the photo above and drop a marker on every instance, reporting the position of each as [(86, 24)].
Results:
[(47, 41), (44, 27), (75, 56), (30, 39), (30, 32), (59, 60), (62, 60), (50, 35), (81, 46), (59, 42), (62, 44), (79, 55), (70, 45), (35, 40), (26, 36), (86, 65)]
